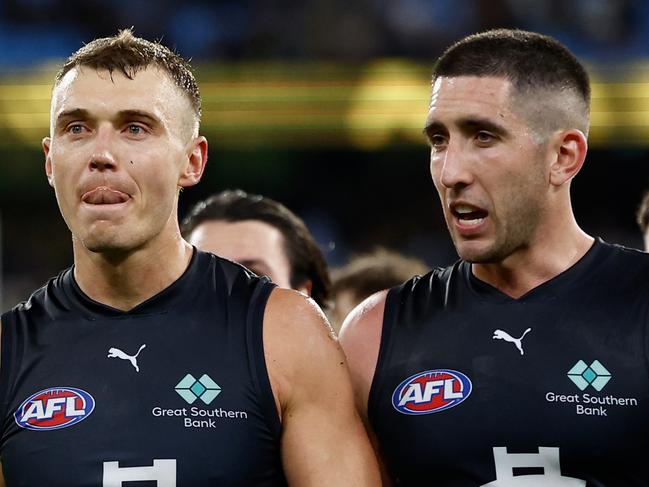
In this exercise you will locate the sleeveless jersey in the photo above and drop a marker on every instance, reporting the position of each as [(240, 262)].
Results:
[(474, 388), (174, 392)]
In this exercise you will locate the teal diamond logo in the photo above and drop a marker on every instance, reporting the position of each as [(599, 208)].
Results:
[(594, 375), (205, 389)]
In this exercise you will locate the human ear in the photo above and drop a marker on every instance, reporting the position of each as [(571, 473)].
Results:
[(568, 157), (195, 163), (46, 143)]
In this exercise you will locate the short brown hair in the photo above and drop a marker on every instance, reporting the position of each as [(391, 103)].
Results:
[(528, 59), (129, 54), (369, 273)]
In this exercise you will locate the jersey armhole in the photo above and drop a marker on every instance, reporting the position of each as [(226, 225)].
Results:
[(256, 356), (389, 319)]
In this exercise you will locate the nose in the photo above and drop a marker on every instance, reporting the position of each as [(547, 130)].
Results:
[(455, 171), (103, 157)]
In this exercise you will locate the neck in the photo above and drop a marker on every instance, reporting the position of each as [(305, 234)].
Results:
[(124, 280), (554, 250)]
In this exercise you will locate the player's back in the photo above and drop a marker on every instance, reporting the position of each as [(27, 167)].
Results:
[(174, 391), (474, 388)]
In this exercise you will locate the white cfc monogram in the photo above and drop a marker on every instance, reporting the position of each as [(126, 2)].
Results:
[(546, 458), (163, 472)]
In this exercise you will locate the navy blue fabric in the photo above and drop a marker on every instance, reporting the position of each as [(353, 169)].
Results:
[(522, 399), (206, 324)]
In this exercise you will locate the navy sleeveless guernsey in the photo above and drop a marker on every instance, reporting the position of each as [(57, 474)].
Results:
[(174, 392), (476, 389)]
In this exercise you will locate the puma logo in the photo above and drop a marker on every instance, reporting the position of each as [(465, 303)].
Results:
[(117, 353), (503, 335)]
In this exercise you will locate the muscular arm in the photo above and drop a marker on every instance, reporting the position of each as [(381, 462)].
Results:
[(360, 338), (323, 439)]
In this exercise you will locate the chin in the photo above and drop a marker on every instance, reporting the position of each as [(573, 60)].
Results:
[(102, 244), (477, 253)]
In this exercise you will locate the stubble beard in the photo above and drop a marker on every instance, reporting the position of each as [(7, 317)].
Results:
[(515, 230)]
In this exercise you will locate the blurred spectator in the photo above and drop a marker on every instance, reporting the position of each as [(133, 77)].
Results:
[(366, 274), (642, 217), (264, 236), (341, 30)]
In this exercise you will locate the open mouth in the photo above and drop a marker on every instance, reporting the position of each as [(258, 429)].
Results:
[(468, 215), (103, 195)]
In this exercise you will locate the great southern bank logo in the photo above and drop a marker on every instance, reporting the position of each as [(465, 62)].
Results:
[(197, 416), (594, 375), (205, 389), (431, 391), (54, 408), (588, 402)]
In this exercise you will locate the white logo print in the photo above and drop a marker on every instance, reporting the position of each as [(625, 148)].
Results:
[(117, 353), (163, 473), (546, 458), (503, 335)]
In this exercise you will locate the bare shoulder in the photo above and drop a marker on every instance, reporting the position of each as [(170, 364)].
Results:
[(360, 338), (289, 308), (297, 337)]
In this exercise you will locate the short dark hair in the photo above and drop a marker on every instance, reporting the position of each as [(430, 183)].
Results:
[(129, 54), (304, 256), (642, 216), (369, 273), (530, 61)]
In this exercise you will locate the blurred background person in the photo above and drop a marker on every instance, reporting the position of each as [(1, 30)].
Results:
[(642, 217), (367, 274), (262, 235)]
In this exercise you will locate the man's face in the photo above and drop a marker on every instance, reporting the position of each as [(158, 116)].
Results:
[(252, 243), (117, 155), (488, 169)]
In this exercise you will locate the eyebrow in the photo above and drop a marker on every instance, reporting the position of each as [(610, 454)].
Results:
[(139, 114), (466, 124), (83, 114), (75, 113)]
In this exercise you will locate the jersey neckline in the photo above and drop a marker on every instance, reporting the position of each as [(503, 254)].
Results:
[(156, 304), (560, 283)]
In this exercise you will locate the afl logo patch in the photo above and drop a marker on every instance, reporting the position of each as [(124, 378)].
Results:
[(431, 391), (54, 408)]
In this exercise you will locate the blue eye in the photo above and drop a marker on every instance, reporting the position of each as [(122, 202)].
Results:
[(75, 129), (134, 129)]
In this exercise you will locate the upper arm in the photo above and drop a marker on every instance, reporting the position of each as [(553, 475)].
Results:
[(324, 442), (360, 338)]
